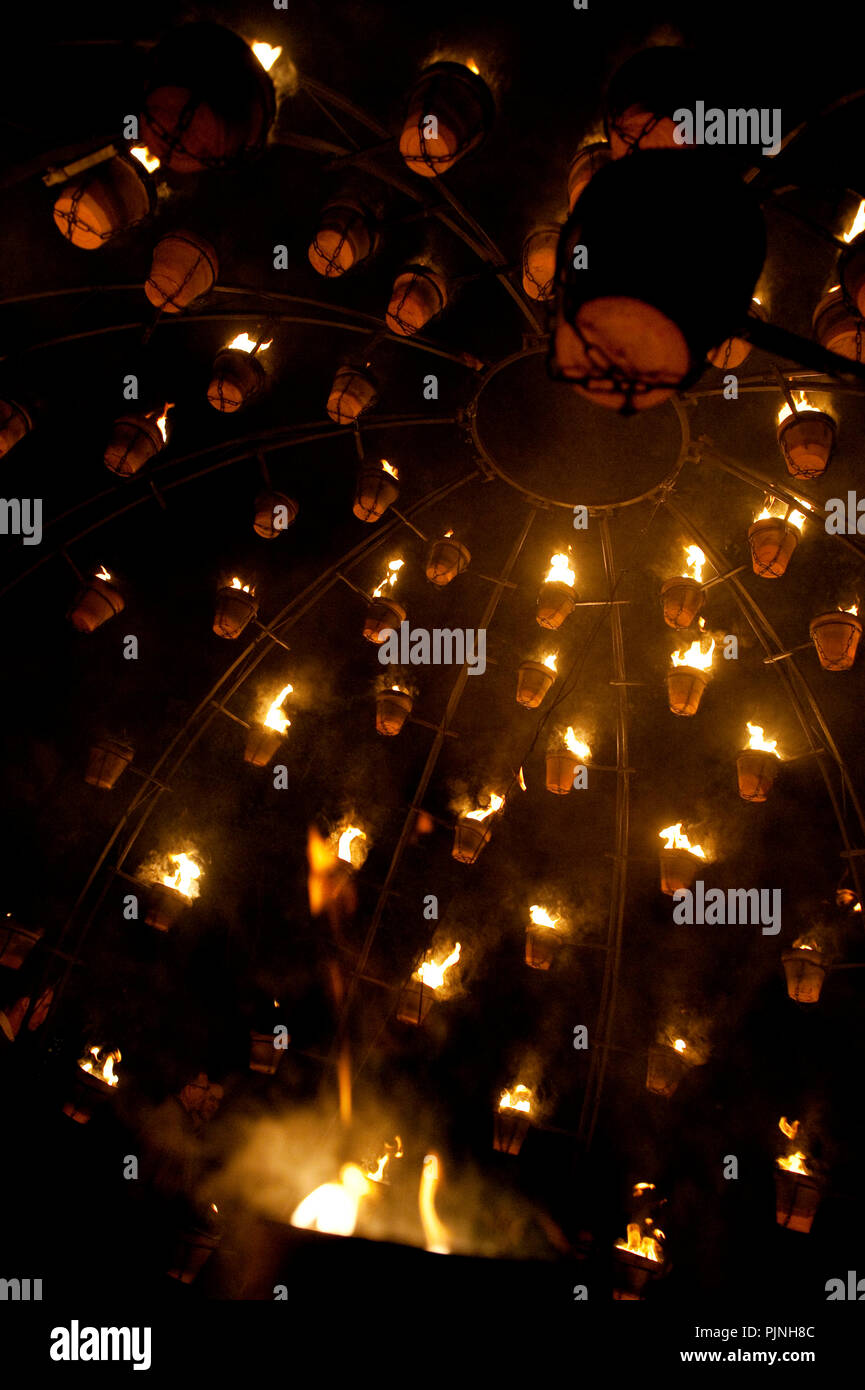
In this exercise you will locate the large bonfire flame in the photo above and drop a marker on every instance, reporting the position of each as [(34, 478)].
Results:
[(520, 1098), (676, 838), (185, 877), (560, 571), (436, 1236), (101, 1067), (275, 718), (496, 803), (694, 561), (243, 343), (390, 578), (432, 973), (695, 656), (758, 742)]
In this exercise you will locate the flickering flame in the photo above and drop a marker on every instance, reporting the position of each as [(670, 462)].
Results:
[(694, 656), (392, 575), (550, 661), (393, 1150), (521, 780), (560, 571), (643, 1187), (805, 943), (333, 1207), (143, 155), (695, 560), (801, 404), (244, 588), (647, 1247), (576, 745), (756, 300), (432, 974), (520, 1098), (162, 422), (796, 519), (496, 803), (103, 1070), (854, 609), (857, 225), (473, 67), (275, 718), (541, 918), (184, 880), (266, 55), (243, 343), (677, 839), (436, 1236), (794, 1163), (757, 741), (680, 1045), (448, 535), (857, 907), (345, 842), (389, 468), (788, 1128), (102, 574)]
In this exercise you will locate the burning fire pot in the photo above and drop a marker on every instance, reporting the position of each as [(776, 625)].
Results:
[(512, 1120), (470, 835), (638, 1259), (690, 675), (556, 600), (343, 239), (238, 376), (805, 968), (564, 755), (851, 265), (680, 861), (683, 596), (392, 709), (377, 487), (106, 199), (667, 1065), (807, 438), (184, 268), (93, 1084), (16, 942), (539, 262), (836, 638), (107, 760), (534, 679), (14, 424), (418, 295), (773, 540), (274, 513), (95, 603), (446, 558), (449, 112), (797, 1197), (416, 999), (165, 907), (584, 164), (381, 615), (757, 766), (265, 738), (543, 938), (354, 390), (837, 328), (264, 1055), (135, 440), (235, 608)]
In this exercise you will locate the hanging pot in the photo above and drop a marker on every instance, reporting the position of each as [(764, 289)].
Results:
[(534, 679), (470, 836), (343, 238), (807, 439), (262, 745), (134, 441), (87, 1094), (851, 272), (772, 543), (561, 770), (509, 1130), (837, 328), (382, 614), (94, 604), (415, 1002), (16, 943), (353, 391), (836, 637), (166, 905), (392, 709), (805, 972), (734, 351), (183, 269), (14, 424), (376, 489), (685, 686), (556, 602), (633, 1273), (234, 609), (679, 868), (446, 558), (418, 295), (542, 946), (797, 1198), (644, 94), (584, 164), (103, 201), (683, 599), (108, 759), (264, 1055), (208, 101), (274, 513), (539, 262), (756, 771), (462, 107), (665, 1069), (237, 378)]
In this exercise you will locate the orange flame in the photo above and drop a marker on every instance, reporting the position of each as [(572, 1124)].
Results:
[(432, 974), (102, 1069), (496, 803), (677, 839), (520, 1098)]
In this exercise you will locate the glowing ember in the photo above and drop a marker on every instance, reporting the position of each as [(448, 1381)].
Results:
[(680, 1045), (266, 55), (787, 1128), (550, 661), (392, 575), (576, 745), (541, 918), (333, 1207), (695, 560), (857, 225), (805, 943), (275, 718), (436, 1236), (162, 422), (389, 468), (102, 574), (244, 588), (854, 609), (794, 1163), (473, 67), (185, 878), (143, 155), (101, 1067), (677, 839), (393, 1150), (496, 803), (801, 404), (560, 571), (432, 974), (243, 343), (448, 535), (756, 740), (647, 1247), (694, 656), (520, 1098)]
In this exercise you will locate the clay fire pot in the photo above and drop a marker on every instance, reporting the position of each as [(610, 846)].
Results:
[(534, 679), (797, 1198), (633, 1273), (510, 1128), (418, 295), (682, 598), (107, 760), (14, 424), (166, 905), (851, 271), (805, 972), (194, 1248), (470, 836), (734, 351), (103, 201), (446, 558), (264, 1055), (234, 609), (95, 603), (415, 1002), (237, 378), (376, 489), (643, 95), (665, 1069), (539, 262), (208, 101), (685, 686), (342, 240), (837, 328), (679, 868), (261, 745), (463, 109), (16, 943), (134, 441), (556, 602), (807, 439), (542, 946), (382, 615), (274, 513), (86, 1095), (638, 313), (584, 164), (756, 772), (561, 769), (353, 391), (772, 543), (836, 637), (184, 267), (392, 709)]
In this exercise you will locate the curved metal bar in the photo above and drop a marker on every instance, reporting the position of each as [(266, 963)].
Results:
[(817, 381)]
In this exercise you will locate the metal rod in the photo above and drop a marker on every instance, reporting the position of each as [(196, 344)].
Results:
[(270, 634), (782, 656), (367, 598), (782, 381), (490, 579), (722, 578), (437, 728), (223, 710), (147, 777), (407, 523)]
